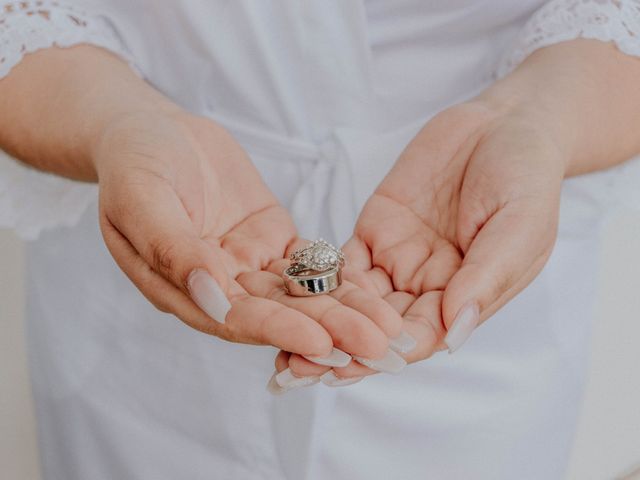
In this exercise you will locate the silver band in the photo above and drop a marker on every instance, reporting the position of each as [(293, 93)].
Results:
[(309, 282)]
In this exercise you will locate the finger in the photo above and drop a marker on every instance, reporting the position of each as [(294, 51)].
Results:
[(249, 320), (259, 238), (153, 219), (301, 367), (357, 253), (282, 360), (512, 244), (354, 370), (370, 305), (351, 331), (266, 322), (391, 362), (375, 281), (157, 289), (436, 272), (357, 269), (423, 321), (400, 301), (284, 380)]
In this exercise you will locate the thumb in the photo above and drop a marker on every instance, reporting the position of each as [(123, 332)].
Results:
[(158, 227), (504, 257)]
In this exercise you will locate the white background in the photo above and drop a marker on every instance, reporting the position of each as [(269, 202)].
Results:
[(608, 441)]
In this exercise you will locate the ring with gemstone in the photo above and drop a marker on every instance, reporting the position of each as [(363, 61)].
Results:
[(320, 255), (314, 270)]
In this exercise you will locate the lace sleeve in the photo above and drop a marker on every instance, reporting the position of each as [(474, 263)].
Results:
[(30, 200), (616, 21)]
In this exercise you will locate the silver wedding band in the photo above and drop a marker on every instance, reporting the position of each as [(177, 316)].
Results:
[(310, 282)]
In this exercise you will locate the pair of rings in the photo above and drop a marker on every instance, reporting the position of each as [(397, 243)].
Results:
[(314, 270)]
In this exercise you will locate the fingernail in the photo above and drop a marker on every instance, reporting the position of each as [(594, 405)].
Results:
[(272, 386), (403, 343), (337, 358), (275, 389), (390, 363), (466, 321), (208, 295), (287, 380), (330, 379)]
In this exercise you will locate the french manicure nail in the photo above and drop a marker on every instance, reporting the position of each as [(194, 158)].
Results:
[(208, 295), (390, 363), (337, 358), (275, 389), (332, 380), (465, 322), (287, 380), (403, 343), (272, 386)]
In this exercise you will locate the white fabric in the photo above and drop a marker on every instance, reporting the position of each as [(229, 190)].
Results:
[(335, 89), (608, 21), (32, 201)]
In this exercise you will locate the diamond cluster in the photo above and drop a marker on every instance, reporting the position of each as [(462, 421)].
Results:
[(320, 256)]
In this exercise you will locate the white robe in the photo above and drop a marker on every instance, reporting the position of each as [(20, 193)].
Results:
[(323, 95)]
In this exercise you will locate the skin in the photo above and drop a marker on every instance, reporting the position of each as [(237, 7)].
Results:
[(472, 202), (178, 193), (469, 212)]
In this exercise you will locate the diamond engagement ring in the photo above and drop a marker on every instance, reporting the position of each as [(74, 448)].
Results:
[(314, 270)]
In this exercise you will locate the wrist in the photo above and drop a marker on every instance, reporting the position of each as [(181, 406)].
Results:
[(132, 132), (521, 111), (584, 94)]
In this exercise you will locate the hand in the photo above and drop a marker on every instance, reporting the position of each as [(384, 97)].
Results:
[(359, 322), (184, 213), (464, 221)]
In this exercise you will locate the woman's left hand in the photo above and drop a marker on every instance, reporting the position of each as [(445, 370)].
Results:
[(464, 221), (468, 215)]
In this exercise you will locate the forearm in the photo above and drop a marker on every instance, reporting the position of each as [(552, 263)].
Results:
[(586, 94), (57, 103)]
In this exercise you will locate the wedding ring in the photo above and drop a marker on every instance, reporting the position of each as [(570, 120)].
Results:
[(314, 270), (306, 283), (320, 256)]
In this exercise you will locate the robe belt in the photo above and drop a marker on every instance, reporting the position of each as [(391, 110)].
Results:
[(327, 183)]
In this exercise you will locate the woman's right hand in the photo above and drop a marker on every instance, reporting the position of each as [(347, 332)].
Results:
[(184, 212), (188, 218), (182, 209)]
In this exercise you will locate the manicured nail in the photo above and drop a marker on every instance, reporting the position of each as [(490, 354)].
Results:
[(390, 363), (272, 386), (208, 295), (330, 379), (463, 326), (403, 343), (275, 389), (337, 358), (287, 380)]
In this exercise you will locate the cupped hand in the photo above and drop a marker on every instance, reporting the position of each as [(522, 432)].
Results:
[(362, 325), (464, 221), (185, 213)]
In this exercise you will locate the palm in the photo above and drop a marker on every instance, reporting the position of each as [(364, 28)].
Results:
[(465, 188), (238, 216), (180, 195)]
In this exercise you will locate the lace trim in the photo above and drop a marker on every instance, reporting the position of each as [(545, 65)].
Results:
[(557, 21), (27, 26), (32, 201), (616, 21)]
